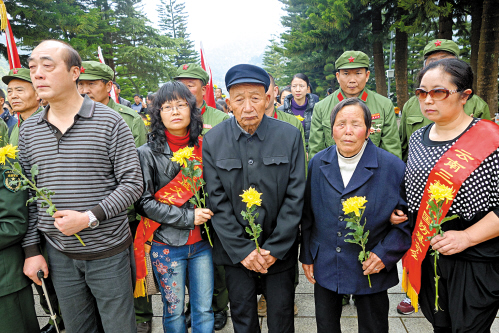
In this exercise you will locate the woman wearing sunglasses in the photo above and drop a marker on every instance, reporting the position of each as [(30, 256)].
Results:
[(454, 162), (174, 225)]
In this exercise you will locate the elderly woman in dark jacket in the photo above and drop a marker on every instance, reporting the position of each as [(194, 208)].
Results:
[(299, 102), (353, 167), (178, 245)]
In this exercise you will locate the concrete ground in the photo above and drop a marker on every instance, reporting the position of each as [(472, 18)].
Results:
[(305, 320)]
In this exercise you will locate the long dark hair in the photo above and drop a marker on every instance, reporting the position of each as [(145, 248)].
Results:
[(172, 91)]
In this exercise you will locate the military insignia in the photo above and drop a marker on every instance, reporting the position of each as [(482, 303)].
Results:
[(185, 67), (11, 181), (15, 71), (372, 130), (364, 96), (375, 116), (351, 59), (438, 43), (208, 126), (82, 70)]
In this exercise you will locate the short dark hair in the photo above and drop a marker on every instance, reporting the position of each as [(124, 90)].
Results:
[(219, 106), (170, 91), (302, 77), (220, 89), (272, 81), (2, 94), (117, 85), (329, 91), (151, 97), (137, 95), (352, 101), (460, 72)]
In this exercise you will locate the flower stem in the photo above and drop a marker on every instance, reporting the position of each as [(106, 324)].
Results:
[(40, 193), (436, 281)]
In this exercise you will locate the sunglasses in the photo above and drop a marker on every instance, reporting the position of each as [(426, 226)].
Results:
[(436, 94)]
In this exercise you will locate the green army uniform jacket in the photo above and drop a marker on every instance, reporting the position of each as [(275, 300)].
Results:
[(384, 133), (4, 134), (13, 227), (133, 120), (14, 135), (211, 117), (292, 120), (412, 118)]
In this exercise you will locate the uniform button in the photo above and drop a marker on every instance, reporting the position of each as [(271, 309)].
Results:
[(338, 249), (250, 162), (340, 218), (342, 200), (339, 233)]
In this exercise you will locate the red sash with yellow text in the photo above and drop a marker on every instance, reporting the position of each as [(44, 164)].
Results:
[(452, 169), (177, 192)]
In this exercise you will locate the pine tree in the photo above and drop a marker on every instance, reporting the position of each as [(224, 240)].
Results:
[(274, 62), (173, 21)]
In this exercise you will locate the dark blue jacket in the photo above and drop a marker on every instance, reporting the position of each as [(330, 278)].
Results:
[(379, 177)]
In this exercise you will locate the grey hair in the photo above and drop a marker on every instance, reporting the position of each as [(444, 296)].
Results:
[(352, 101)]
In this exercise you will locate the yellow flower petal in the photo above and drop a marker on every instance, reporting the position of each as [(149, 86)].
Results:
[(251, 197), (9, 151), (439, 192), (354, 204), (182, 155)]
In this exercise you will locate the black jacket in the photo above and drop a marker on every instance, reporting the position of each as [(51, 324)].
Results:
[(158, 170), (233, 162), (286, 107)]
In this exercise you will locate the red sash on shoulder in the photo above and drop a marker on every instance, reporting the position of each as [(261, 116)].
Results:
[(452, 169), (177, 192)]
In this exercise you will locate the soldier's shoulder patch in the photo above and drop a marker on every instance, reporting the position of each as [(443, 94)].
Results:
[(11, 181)]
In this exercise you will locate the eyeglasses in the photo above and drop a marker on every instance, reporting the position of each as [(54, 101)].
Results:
[(436, 94), (179, 107)]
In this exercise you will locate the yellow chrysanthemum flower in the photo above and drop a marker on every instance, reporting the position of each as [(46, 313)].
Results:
[(148, 117), (215, 86), (9, 151), (440, 192), (182, 155), (300, 118), (251, 197), (147, 123), (354, 204)]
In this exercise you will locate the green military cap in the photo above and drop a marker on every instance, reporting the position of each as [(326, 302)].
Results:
[(438, 45), (352, 59), (94, 70), (17, 73), (192, 71)]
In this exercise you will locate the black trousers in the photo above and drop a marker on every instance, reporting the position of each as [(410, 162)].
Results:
[(279, 292), (372, 311)]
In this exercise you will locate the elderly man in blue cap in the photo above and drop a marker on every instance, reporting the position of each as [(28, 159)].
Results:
[(255, 156)]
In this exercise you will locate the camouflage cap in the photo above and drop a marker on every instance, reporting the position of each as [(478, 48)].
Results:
[(192, 71), (352, 59), (17, 73), (437, 45), (94, 70)]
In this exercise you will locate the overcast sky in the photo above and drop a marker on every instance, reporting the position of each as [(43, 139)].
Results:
[(232, 31)]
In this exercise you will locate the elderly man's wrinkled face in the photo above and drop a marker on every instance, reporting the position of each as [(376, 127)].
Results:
[(349, 130), (248, 103)]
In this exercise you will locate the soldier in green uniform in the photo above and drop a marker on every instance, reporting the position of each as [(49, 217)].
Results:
[(96, 80), (196, 78), (4, 133), (17, 305), (412, 118), (352, 76), (25, 102), (22, 98)]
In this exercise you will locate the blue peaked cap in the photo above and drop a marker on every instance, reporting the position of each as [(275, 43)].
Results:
[(245, 73)]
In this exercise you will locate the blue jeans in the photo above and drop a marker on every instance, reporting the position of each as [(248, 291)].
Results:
[(171, 264), (80, 284)]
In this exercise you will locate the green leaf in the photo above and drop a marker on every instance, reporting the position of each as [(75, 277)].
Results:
[(361, 256), (248, 230), (43, 204), (256, 215), (433, 205), (197, 173), (193, 201), (445, 219), (348, 240), (30, 200), (18, 167), (34, 171), (51, 210)]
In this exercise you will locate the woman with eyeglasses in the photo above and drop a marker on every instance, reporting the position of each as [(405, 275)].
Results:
[(169, 220), (299, 103), (453, 168)]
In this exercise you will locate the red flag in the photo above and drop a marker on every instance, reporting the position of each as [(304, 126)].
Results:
[(113, 93), (210, 95), (13, 56)]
